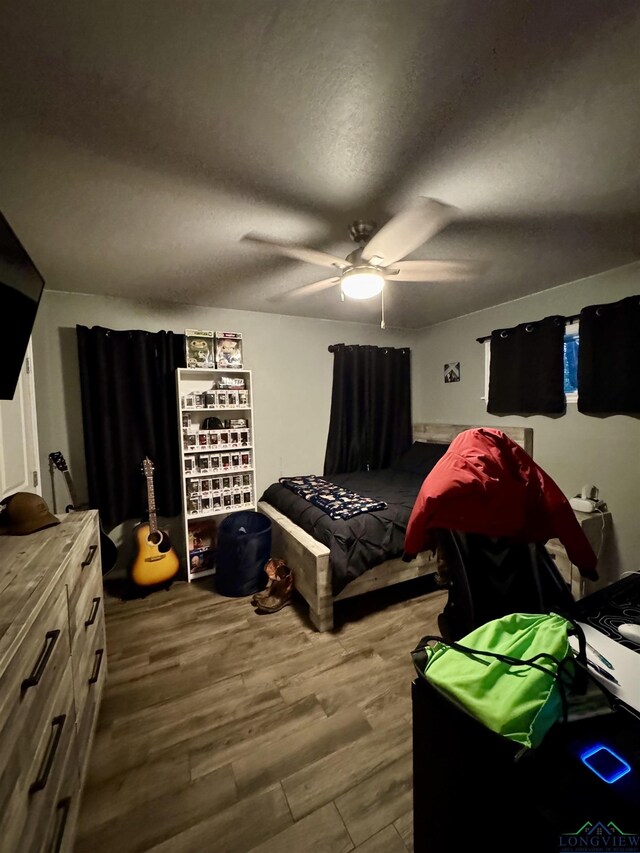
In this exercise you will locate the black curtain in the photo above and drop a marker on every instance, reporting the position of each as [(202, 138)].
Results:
[(370, 423), (609, 358), (527, 369), (129, 411)]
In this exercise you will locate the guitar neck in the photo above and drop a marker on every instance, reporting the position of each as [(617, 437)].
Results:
[(151, 502), (71, 488)]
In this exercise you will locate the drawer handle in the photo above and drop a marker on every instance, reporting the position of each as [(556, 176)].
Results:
[(57, 724), (50, 639), (94, 612), (62, 813), (89, 558), (96, 666)]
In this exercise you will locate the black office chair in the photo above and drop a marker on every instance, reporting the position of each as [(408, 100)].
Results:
[(489, 577), (465, 775)]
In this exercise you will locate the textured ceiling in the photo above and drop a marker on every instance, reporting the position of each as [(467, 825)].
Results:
[(140, 140)]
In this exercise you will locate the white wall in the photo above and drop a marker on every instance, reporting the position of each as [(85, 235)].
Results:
[(574, 449), (292, 373)]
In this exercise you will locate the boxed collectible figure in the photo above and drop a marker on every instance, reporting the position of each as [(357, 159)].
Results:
[(231, 382), (228, 349), (202, 546), (201, 560), (199, 346)]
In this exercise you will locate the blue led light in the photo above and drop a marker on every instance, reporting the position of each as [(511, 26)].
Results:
[(605, 763)]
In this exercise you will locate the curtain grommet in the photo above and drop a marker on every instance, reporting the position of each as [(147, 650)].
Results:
[(599, 312), (528, 327), (504, 334)]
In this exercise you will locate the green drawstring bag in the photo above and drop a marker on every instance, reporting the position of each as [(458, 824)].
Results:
[(511, 674)]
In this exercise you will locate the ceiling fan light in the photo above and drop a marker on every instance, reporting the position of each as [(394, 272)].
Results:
[(362, 283)]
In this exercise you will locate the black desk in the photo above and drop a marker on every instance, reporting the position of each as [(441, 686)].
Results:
[(612, 606), (469, 788), (471, 791)]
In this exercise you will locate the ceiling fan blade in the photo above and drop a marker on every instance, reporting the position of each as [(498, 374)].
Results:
[(314, 287), (409, 229), (436, 270), (300, 253)]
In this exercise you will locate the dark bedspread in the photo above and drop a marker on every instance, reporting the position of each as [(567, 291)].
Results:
[(365, 541)]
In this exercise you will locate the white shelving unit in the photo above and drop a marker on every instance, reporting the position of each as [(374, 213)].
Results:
[(218, 464)]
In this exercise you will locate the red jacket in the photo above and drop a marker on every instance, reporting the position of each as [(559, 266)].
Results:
[(486, 483)]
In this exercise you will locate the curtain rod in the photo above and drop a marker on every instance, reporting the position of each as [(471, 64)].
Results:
[(567, 321), (336, 347)]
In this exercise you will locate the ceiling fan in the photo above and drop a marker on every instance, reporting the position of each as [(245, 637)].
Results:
[(378, 258)]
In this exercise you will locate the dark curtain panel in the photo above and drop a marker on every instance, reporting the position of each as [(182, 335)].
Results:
[(609, 358), (129, 411), (370, 424), (527, 369)]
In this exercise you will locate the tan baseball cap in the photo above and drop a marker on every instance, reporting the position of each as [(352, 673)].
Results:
[(25, 513)]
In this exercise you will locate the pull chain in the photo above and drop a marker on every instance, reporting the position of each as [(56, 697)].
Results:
[(382, 324)]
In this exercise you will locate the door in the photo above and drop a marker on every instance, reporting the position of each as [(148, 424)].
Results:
[(19, 460)]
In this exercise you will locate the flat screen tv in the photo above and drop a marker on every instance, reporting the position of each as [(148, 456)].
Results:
[(21, 287)]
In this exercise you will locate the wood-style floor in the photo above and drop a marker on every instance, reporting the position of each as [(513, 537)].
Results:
[(223, 731)]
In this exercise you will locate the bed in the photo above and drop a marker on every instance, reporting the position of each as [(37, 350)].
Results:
[(326, 556)]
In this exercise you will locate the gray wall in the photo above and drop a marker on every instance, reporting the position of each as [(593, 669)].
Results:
[(574, 449), (292, 378), (292, 372)]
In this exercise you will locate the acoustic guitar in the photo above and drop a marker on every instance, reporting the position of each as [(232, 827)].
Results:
[(108, 549), (155, 562)]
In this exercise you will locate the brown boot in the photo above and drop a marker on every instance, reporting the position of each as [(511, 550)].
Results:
[(280, 592), (271, 568)]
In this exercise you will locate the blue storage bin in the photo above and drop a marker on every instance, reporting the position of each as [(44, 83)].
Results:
[(244, 546)]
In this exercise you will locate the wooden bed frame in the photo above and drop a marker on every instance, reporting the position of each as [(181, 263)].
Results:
[(309, 559)]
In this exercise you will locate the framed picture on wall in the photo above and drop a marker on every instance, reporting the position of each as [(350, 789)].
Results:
[(452, 372)]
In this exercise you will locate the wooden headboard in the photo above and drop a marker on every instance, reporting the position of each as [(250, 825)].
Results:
[(445, 433)]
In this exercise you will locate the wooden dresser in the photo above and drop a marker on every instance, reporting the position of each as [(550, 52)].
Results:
[(52, 671)]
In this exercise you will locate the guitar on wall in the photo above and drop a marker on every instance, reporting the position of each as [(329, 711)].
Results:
[(108, 549), (155, 562)]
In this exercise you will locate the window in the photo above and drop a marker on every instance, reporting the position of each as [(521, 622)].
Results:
[(571, 348)]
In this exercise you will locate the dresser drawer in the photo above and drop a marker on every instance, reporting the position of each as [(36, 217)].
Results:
[(86, 609), (84, 556), (31, 803), (59, 834), (29, 685), (92, 685), (88, 653)]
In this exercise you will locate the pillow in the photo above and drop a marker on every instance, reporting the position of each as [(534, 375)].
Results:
[(421, 457)]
